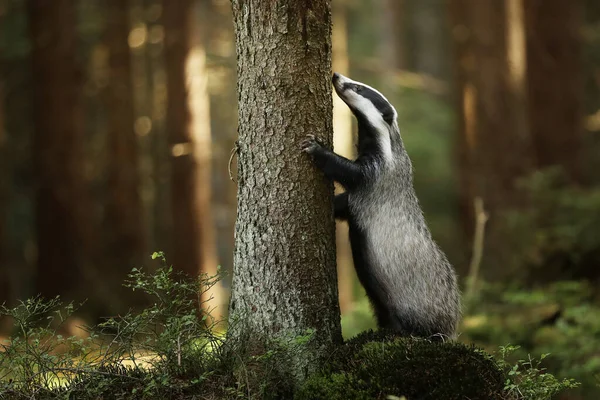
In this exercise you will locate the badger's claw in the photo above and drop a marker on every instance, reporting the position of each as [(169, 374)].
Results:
[(310, 144)]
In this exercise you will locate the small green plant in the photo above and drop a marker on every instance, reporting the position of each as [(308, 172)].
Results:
[(169, 349), (37, 358), (526, 379), (176, 326)]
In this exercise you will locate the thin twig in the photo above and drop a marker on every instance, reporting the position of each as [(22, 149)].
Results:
[(481, 218), (234, 150)]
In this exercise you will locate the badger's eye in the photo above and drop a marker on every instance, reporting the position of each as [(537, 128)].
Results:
[(358, 89)]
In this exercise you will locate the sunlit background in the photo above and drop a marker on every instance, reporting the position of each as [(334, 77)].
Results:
[(118, 120)]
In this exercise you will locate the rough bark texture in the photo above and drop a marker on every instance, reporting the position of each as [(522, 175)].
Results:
[(124, 208), (60, 200), (187, 252), (284, 264), (554, 55), (493, 147)]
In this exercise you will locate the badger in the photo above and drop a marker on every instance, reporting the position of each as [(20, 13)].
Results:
[(410, 283)]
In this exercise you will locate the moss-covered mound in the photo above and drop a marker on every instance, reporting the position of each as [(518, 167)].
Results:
[(375, 365)]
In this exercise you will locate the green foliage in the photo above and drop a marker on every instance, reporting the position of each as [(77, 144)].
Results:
[(527, 380), (174, 328), (561, 319), (167, 350), (376, 365), (37, 357), (558, 235)]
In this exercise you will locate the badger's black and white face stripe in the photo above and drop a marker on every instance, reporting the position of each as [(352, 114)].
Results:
[(369, 104)]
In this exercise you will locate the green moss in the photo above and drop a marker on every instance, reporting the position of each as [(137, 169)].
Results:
[(376, 365)]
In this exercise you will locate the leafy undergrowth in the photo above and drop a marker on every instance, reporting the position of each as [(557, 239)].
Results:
[(170, 350), (561, 319)]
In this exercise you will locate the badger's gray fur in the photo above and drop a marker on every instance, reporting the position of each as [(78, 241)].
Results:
[(408, 279)]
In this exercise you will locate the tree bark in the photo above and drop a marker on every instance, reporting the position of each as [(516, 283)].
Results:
[(554, 78), (60, 200), (284, 280), (124, 208)]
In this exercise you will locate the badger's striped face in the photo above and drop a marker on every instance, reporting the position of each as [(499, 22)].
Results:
[(370, 105), (365, 100)]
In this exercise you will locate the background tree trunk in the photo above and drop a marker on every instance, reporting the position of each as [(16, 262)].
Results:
[(200, 121), (60, 201), (493, 144), (220, 49), (429, 56), (124, 208), (284, 280), (4, 273), (186, 242), (343, 144), (554, 55), (392, 33)]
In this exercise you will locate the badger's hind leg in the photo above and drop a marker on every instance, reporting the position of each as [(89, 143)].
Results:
[(383, 317)]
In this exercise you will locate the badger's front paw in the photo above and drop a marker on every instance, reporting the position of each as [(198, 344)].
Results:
[(310, 144)]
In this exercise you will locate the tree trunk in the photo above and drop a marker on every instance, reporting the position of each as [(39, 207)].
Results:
[(392, 31), (200, 121), (554, 82), (189, 138), (58, 149), (343, 144), (218, 29), (591, 45), (429, 57), (284, 280), (124, 208), (493, 144), (187, 253), (4, 272)]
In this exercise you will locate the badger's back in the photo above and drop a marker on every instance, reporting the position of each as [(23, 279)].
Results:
[(408, 278)]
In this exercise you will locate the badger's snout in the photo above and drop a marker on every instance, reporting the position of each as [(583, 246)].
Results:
[(338, 82)]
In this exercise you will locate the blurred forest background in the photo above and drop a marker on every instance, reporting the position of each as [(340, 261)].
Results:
[(117, 120)]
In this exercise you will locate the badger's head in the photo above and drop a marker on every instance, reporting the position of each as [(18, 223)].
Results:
[(369, 107), (364, 101)]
